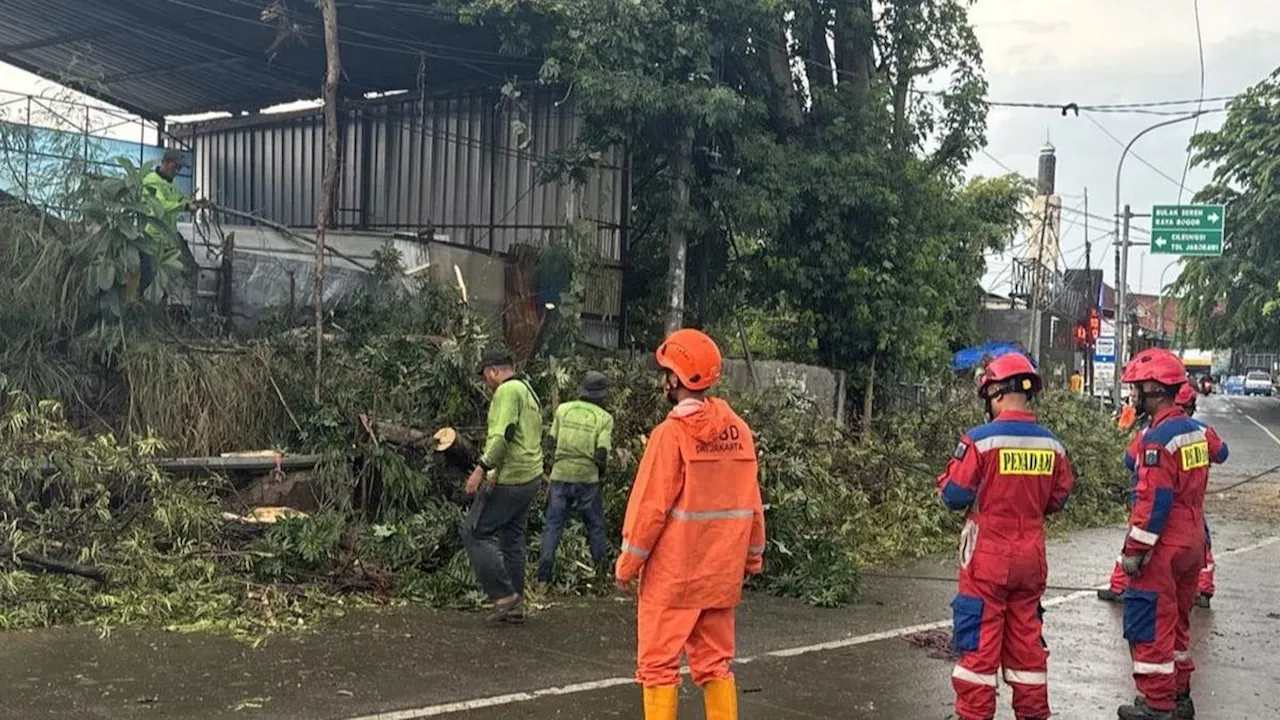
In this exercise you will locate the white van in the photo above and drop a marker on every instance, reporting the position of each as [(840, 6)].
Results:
[(1258, 382)]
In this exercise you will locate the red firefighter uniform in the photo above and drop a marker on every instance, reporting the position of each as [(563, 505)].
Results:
[(1008, 474), (1218, 453), (1167, 523)]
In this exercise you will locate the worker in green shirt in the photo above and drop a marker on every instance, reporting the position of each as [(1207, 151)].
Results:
[(583, 434), (504, 486), (163, 229)]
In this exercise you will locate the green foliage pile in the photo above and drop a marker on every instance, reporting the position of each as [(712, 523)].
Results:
[(387, 528), (100, 503)]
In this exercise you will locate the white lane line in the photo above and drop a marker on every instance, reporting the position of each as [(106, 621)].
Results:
[(498, 700), (1263, 428), (589, 686)]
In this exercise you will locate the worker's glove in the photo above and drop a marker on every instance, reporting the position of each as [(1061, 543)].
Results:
[(1133, 564)]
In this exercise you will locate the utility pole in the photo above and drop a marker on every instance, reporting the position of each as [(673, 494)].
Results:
[(1091, 299), (1122, 297), (1045, 179), (1036, 275)]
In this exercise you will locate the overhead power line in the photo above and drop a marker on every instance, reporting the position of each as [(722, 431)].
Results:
[(1176, 183), (1195, 6)]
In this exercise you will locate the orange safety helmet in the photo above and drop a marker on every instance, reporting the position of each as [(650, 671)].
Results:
[(692, 356)]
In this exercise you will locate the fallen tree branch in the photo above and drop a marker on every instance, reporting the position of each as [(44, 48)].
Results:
[(394, 433), (46, 564), (290, 233)]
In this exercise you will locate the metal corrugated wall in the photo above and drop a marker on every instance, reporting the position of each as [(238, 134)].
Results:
[(458, 164)]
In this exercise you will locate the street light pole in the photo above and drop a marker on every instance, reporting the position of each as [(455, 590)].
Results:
[(1122, 257), (1162, 274)]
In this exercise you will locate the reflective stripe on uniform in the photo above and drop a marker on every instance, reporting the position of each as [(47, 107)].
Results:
[(1142, 536), (638, 552), (755, 550), (1188, 438), (713, 514), (1141, 668), (1019, 441), (969, 676), (1182, 656), (1026, 677)]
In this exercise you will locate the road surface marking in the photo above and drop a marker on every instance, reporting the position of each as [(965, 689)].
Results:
[(1262, 427), (606, 683)]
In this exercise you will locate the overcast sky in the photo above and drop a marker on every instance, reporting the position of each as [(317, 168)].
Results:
[(1092, 52), (1113, 51)]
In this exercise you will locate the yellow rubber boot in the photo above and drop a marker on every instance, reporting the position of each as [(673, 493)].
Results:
[(721, 698), (660, 703)]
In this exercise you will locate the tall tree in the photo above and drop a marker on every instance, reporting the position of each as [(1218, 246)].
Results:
[(825, 183), (1233, 300), (329, 181)]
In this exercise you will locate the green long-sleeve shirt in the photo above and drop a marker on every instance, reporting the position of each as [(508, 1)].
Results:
[(513, 443), (581, 430), (173, 202)]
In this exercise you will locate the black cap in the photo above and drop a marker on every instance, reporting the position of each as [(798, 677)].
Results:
[(174, 155), (496, 356), (595, 386)]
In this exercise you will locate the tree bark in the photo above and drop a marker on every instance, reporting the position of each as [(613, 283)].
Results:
[(48, 564), (855, 38), (677, 233), (328, 184), (868, 400), (788, 102)]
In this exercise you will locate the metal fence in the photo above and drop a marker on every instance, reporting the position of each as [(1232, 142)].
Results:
[(468, 166), (48, 144)]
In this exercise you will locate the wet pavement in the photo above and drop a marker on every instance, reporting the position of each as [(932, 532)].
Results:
[(573, 660)]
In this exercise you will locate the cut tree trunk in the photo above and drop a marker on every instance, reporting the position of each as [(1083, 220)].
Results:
[(394, 433), (456, 449)]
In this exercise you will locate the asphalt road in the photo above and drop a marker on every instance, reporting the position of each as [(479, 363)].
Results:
[(574, 661)]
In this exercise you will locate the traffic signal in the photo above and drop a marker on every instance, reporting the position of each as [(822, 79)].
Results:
[(1082, 336), (1095, 324)]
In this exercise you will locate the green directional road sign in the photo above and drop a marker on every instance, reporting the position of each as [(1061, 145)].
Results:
[(1187, 229)]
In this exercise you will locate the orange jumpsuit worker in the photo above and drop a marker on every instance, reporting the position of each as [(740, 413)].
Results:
[(694, 530)]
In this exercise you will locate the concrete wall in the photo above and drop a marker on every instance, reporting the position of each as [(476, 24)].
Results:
[(272, 269), (822, 385)]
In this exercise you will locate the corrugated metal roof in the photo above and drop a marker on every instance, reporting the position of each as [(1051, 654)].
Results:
[(160, 58)]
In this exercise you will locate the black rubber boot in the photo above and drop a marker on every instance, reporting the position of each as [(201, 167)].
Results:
[(1186, 708), (1204, 601), (1139, 711), (1109, 596)]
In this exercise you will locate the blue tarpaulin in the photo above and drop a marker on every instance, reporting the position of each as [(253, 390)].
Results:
[(970, 358)]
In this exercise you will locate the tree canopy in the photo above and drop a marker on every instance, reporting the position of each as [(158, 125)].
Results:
[(1234, 300), (826, 204)]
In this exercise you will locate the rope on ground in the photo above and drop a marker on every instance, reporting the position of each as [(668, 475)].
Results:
[(1246, 481)]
